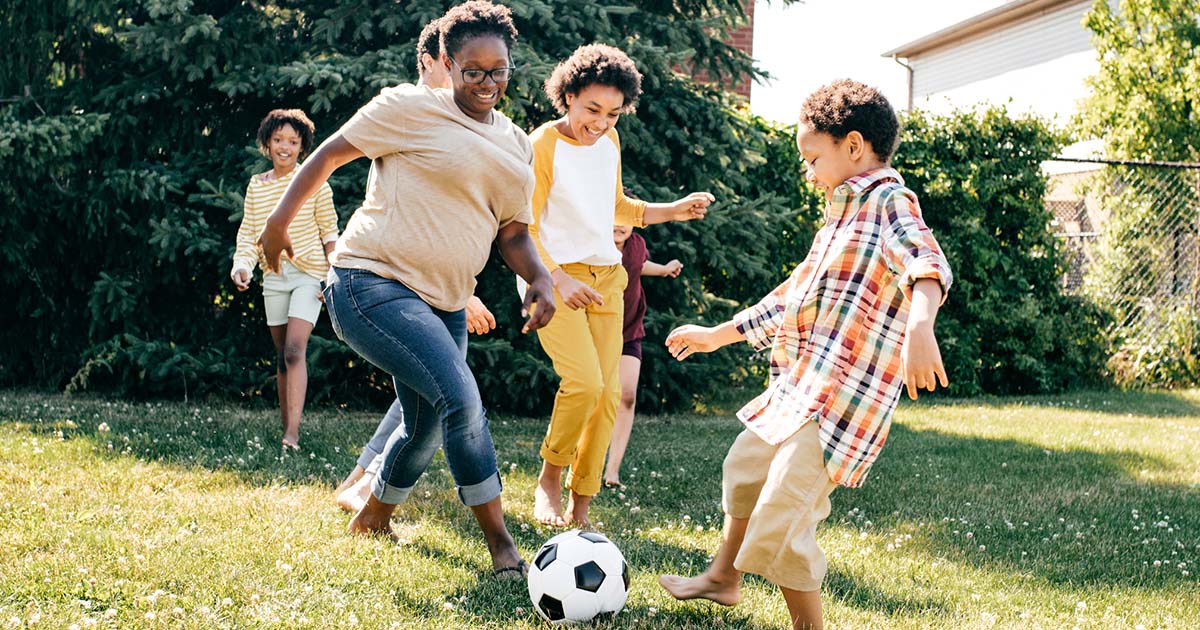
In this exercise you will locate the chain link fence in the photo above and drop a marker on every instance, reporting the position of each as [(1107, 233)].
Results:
[(1131, 231)]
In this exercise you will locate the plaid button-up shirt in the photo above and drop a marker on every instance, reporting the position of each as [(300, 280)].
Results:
[(836, 326)]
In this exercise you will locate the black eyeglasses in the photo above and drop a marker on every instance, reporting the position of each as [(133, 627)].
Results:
[(474, 75)]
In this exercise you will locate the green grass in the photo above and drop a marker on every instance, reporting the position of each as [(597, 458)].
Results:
[(1032, 513)]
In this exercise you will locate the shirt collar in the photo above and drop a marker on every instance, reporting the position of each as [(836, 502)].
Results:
[(850, 189)]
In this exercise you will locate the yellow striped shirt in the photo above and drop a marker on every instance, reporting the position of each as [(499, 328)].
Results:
[(315, 225)]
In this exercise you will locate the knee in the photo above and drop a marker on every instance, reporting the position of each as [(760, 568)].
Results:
[(591, 388), (293, 355)]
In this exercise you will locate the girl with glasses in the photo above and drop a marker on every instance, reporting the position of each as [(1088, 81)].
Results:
[(449, 176), (577, 200)]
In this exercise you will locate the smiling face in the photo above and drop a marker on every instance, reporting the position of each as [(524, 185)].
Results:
[(485, 52), (592, 112), (284, 147), (831, 161), (621, 233)]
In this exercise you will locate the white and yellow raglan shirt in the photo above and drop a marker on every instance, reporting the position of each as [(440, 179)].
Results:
[(577, 198)]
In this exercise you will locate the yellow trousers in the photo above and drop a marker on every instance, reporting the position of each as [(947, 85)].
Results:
[(585, 346)]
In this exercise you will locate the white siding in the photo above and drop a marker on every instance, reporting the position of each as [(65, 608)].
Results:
[(1034, 40)]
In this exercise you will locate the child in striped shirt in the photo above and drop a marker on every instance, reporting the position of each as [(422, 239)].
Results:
[(850, 328), (291, 297)]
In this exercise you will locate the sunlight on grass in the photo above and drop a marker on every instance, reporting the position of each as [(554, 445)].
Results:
[(1035, 513)]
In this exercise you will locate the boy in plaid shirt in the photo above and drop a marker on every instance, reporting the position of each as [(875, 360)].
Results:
[(850, 328)]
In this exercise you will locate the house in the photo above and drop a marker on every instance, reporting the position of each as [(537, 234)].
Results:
[(1032, 55)]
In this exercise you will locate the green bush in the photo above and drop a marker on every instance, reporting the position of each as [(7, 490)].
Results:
[(125, 167)]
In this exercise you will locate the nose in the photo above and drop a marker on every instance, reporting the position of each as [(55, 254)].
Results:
[(810, 176)]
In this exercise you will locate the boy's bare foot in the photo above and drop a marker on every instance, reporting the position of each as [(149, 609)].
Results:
[(291, 445), (547, 502), (350, 479), (702, 586), (353, 498), (577, 511), (374, 519), (614, 483)]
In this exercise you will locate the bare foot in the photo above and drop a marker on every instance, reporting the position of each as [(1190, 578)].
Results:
[(374, 519), (547, 501), (350, 479), (614, 483), (291, 445), (353, 498), (577, 509), (702, 586)]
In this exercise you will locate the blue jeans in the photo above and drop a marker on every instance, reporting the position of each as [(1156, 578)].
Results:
[(425, 351), (387, 426)]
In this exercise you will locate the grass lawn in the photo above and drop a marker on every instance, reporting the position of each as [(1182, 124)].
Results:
[(1081, 511)]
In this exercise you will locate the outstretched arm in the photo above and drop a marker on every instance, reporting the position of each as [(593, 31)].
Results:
[(693, 206), (671, 269), (689, 339), (335, 152)]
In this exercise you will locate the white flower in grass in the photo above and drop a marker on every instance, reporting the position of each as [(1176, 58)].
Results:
[(150, 616), (447, 606), (102, 427), (227, 602), (1081, 606)]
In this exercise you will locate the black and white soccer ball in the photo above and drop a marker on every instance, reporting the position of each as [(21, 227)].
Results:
[(577, 576)]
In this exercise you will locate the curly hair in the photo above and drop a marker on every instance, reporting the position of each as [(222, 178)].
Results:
[(280, 117), (844, 106), (429, 43), (594, 64), (474, 19)]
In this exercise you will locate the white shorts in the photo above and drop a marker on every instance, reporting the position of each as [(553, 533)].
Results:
[(291, 293)]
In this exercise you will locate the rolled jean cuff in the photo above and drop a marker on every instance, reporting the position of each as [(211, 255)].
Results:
[(482, 492), (368, 455), (391, 495)]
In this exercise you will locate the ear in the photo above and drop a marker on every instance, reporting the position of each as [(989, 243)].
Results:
[(856, 145), (570, 98)]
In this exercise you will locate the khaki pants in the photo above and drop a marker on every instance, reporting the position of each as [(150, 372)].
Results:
[(585, 346), (784, 491)]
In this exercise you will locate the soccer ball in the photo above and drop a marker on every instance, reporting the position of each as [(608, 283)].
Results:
[(577, 576)]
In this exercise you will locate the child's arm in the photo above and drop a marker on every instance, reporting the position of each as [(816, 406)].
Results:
[(689, 339), (693, 206), (920, 355), (335, 152), (245, 256), (671, 269)]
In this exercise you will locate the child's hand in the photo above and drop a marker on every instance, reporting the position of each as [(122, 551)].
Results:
[(241, 279), (922, 359), (689, 339), (673, 268), (693, 206), (575, 293), (479, 319)]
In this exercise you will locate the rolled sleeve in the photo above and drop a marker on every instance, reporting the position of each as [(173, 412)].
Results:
[(909, 245), (760, 322)]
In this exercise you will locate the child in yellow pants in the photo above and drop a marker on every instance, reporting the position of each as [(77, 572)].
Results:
[(577, 199)]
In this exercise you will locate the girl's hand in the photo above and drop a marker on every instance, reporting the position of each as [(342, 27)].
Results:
[(574, 293), (479, 319), (689, 339), (673, 268), (241, 279), (693, 206)]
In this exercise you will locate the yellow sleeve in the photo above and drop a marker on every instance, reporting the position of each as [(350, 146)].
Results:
[(245, 255), (628, 211), (543, 172), (327, 219)]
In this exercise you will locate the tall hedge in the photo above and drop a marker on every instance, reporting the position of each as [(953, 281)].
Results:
[(123, 164)]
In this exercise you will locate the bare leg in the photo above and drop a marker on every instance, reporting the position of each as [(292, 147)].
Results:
[(350, 479), (547, 497), (804, 608), (577, 510), (631, 368), (375, 518), (490, 517), (279, 338), (721, 582), (295, 349)]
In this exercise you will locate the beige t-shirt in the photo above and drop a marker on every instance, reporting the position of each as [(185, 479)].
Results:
[(441, 185)]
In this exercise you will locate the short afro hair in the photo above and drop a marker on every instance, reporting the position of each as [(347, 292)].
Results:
[(429, 43), (844, 106), (594, 64), (476, 18), (278, 118)]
